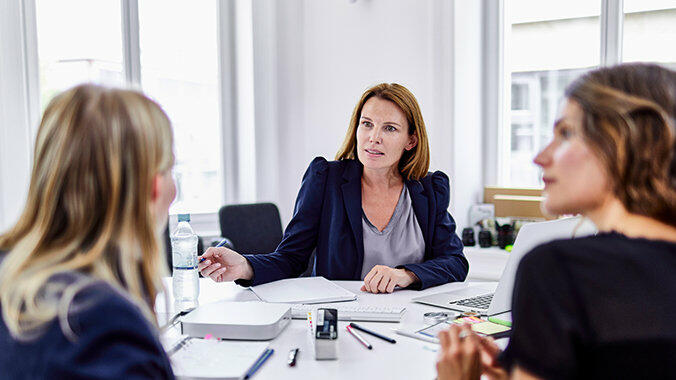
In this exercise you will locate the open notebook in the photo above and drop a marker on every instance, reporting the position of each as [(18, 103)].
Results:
[(194, 358), (303, 290)]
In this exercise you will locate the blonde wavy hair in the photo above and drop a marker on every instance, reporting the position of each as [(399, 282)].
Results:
[(414, 163), (88, 209)]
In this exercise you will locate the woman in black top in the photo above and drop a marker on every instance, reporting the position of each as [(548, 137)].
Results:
[(600, 306)]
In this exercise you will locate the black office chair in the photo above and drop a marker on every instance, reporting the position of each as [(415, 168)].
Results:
[(252, 228)]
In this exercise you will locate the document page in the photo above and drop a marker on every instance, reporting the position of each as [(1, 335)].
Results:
[(303, 290)]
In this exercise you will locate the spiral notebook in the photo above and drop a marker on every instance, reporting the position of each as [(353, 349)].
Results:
[(195, 358)]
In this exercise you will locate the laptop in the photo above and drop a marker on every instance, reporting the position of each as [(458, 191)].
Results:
[(482, 299)]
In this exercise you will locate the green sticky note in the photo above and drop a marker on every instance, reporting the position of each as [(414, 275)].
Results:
[(489, 328)]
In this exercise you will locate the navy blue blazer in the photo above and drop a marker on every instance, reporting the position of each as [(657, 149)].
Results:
[(328, 217), (113, 340)]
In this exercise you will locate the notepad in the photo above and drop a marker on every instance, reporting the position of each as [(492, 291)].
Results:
[(195, 358), (303, 290), (481, 326)]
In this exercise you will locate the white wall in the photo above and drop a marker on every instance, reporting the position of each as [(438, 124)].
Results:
[(468, 120), (18, 108), (329, 52)]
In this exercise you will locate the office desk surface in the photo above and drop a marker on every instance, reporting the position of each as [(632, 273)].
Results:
[(407, 359)]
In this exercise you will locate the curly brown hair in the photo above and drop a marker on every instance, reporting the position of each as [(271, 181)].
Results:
[(629, 118)]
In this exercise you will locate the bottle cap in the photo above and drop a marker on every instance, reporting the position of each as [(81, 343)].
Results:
[(183, 218)]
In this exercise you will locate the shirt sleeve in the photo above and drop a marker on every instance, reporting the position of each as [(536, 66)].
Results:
[(291, 257), (112, 341), (447, 262), (547, 332)]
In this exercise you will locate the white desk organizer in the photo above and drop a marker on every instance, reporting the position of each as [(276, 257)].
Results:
[(323, 333)]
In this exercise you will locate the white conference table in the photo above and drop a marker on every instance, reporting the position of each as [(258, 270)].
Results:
[(407, 359)]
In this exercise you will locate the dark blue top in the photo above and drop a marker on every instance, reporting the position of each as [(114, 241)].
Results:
[(328, 216), (113, 341)]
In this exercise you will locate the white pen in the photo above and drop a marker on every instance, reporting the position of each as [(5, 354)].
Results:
[(359, 338), (417, 336)]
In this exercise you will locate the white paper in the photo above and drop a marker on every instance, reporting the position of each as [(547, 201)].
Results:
[(303, 290), (214, 359)]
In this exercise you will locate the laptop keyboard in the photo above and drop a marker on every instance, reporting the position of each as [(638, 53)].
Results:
[(479, 302)]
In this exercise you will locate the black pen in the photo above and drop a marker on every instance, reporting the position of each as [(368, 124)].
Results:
[(292, 357), (222, 243), (356, 326)]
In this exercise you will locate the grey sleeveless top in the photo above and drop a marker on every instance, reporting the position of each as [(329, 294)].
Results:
[(401, 242)]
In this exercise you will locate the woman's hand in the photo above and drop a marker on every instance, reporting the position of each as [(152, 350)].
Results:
[(465, 355), (223, 264), (489, 360), (383, 279)]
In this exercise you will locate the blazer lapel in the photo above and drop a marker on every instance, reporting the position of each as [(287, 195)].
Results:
[(420, 207), (352, 200)]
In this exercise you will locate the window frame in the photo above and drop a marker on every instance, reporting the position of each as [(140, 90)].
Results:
[(205, 224), (497, 96)]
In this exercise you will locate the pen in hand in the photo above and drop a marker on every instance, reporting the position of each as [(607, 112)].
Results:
[(221, 244)]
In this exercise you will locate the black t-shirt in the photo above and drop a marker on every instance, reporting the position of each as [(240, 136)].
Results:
[(602, 306)]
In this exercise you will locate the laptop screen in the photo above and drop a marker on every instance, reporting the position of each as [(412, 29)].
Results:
[(530, 236)]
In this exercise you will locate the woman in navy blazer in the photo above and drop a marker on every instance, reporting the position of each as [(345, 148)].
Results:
[(385, 156)]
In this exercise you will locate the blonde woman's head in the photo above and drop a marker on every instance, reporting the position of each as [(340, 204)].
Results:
[(99, 194)]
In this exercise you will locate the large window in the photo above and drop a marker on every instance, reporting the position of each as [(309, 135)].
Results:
[(175, 44), (73, 49), (549, 44), (650, 31), (179, 69)]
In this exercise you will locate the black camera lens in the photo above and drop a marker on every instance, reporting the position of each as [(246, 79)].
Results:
[(485, 239), (468, 237)]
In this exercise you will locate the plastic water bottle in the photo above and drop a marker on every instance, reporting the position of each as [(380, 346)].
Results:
[(185, 275)]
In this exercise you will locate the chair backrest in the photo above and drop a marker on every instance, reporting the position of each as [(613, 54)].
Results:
[(252, 228)]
